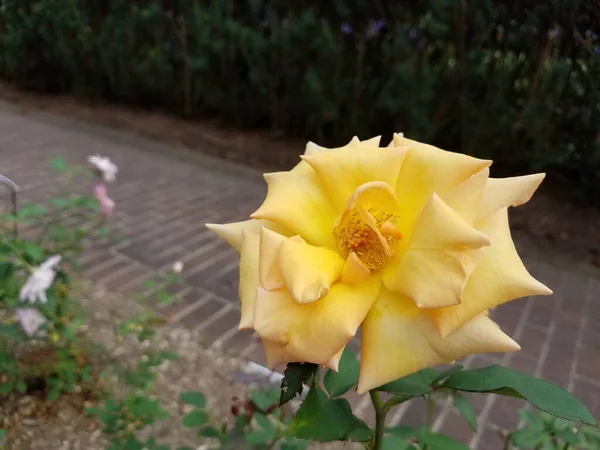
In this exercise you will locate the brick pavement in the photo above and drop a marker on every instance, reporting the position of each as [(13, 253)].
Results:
[(165, 195)]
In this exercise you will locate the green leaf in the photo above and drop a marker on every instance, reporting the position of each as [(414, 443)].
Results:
[(53, 395), (195, 418), (58, 163), (321, 419), (466, 410), (133, 444), (531, 418), (527, 437), (198, 399), (6, 270), (446, 373), (264, 399), (2, 434), (359, 430), (338, 383), (6, 388), (568, 436), (541, 394), (266, 433), (294, 444), (33, 251), (395, 443), (210, 432), (441, 441), (294, 377), (413, 385)]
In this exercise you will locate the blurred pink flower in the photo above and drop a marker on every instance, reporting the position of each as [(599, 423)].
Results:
[(107, 204), (178, 266), (107, 169), (30, 319), (40, 281)]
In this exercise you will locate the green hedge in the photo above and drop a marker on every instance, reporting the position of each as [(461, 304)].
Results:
[(516, 81)]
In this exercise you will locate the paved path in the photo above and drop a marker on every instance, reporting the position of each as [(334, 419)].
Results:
[(165, 195)]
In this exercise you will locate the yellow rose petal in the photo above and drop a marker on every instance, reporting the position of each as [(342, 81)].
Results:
[(232, 232), (504, 192), (296, 201), (499, 277), (426, 170), (435, 267), (354, 270), (342, 171), (465, 199), (314, 332), (268, 262), (307, 271), (398, 339), (249, 280)]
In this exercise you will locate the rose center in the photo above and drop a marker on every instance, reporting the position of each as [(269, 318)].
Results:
[(370, 234)]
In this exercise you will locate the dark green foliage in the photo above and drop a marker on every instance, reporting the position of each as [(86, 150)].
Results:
[(512, 81)]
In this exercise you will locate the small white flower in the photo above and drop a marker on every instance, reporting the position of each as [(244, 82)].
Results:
[(108, 169), (178, 267), (39, 281), (30, 320)]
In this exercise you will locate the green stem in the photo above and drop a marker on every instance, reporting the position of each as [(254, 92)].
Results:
[(380, 412), (430, 411), (507, 442)]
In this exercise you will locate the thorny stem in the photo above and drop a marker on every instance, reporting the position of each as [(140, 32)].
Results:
[(430, 411), (381, 410), (380, 413)]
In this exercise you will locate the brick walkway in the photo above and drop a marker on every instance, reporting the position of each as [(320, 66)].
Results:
[(164, 196)]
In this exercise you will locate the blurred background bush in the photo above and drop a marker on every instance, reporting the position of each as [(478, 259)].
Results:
[(517, 81)]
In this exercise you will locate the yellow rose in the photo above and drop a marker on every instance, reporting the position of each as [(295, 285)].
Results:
[(409, 241)]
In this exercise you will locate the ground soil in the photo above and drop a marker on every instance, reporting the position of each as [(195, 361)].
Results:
[(32, 423), (554, 218)]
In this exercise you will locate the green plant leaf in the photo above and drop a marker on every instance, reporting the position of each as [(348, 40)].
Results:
[(195, 418), (294, 377), (338, 383), (33, 251), (466, 410), (568, 436), (321, 419), (359, 430), (446, 373), (264, 399), (395, 443), (210, 432), (527, 437), (541, 394), (133, 444), (6, 270), (2, 434), (265, 434), (441, 441), (58, 163), (413, 385), (198, 399)]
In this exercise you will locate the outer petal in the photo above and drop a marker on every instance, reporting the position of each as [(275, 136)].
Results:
[(426, 170), (499, 277), (501, 192), (307, 271), (296, 201), (312, 148), (317, 331), (398, 339), (342, 171), (434, 269), (232, 232), (465, 199), (249, 280), (268, 262), (277, 355)]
